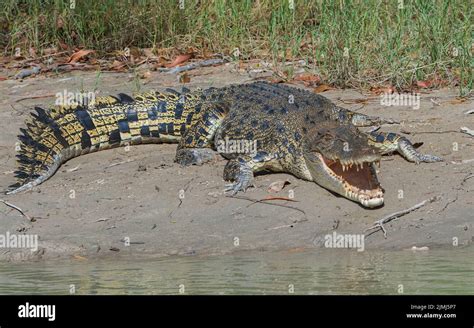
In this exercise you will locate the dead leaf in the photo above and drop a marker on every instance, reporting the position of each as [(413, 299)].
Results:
[(3, 78), (78, 257), (179, 60), (278, 185), (322, 88), (78, 55), (307, 77), (63, 45), (184, 78), (32, 52), (145, 75), (423, 84), (59, 23), (383, 89), (434, 82), (457, 101), (50, 51), (117, 66), (148, 52)]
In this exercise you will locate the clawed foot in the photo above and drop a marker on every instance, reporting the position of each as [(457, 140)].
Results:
[(241, 174), (410, 153)]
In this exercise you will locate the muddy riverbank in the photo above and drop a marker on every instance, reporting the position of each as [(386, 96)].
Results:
[(137, 202)]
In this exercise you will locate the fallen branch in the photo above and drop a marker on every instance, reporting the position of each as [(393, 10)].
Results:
[(18, 209), (379, 223)]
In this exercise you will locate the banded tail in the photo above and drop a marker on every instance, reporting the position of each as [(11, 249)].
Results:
[(54, 136)]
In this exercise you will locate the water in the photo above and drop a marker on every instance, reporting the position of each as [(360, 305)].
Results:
[(313, 272)]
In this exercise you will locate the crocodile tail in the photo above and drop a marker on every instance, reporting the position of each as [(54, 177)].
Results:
[(53, 136), (39, 151)]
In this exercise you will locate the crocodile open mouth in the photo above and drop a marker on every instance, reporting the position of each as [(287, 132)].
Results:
[(358, 179)]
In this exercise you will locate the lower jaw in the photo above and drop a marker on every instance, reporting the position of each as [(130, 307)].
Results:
[(374, 202), (365, 201)]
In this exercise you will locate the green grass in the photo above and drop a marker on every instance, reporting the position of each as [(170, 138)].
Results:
[(349, 43)]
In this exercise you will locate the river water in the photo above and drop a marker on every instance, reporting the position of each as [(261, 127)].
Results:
[(310, 272)]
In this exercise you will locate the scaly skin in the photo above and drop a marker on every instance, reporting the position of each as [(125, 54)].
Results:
[(291, 130)]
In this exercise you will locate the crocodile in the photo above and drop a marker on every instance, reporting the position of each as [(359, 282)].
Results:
[(279, 128)]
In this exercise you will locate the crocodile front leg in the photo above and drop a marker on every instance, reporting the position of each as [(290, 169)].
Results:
[(240, 171), (391, 142)]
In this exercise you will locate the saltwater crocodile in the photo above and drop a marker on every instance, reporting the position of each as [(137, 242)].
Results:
[(292, 130)]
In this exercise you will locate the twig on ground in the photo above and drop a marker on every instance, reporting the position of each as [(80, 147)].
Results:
[(119, 163), (379, 224), (188, 67), (469, 176), (18, 209), (35, 97), (464, 161), (265, 201), (430, 132), (467, 131), (447, 204)]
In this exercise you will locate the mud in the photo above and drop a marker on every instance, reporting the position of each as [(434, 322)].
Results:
[(95, 204)]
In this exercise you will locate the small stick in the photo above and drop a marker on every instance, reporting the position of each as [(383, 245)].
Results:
[(35, 97), (379, 223), (278, 198), (18, 209), (188, 67), (262, 201)]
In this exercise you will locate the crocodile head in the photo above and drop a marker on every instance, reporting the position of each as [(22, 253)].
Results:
[(341, 160)]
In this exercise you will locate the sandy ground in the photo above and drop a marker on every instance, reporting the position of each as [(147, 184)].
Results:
[(134, 195)]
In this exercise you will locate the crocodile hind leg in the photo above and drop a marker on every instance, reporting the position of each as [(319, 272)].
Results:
[(390, 142), (195, 146)]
